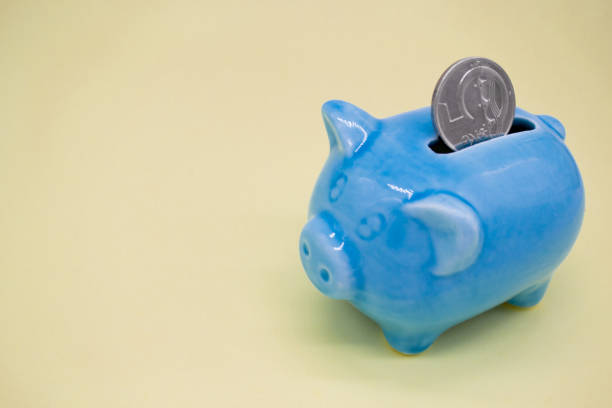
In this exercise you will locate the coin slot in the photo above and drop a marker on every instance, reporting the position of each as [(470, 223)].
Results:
[(439, 146), (521, 125), (518, 125)]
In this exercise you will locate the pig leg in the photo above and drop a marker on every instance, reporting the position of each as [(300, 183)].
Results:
[(410, 340), (530, 296)]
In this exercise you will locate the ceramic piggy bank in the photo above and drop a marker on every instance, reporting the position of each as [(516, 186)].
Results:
[(420, 240)]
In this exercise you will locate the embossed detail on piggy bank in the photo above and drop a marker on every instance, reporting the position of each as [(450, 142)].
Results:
[(420, 241)]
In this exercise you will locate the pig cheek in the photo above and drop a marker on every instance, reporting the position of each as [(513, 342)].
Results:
[(408, 243)]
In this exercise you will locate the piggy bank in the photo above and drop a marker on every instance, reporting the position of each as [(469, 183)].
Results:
[(419, 238)]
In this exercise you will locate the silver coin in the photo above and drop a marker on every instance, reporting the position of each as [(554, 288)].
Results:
[(473, 101)]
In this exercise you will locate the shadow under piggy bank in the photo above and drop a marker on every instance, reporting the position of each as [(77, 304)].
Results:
[(419, 238)]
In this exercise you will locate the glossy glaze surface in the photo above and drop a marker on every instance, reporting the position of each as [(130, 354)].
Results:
[(420, 240)]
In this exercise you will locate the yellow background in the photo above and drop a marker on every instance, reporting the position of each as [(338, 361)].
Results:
[(156, 161)]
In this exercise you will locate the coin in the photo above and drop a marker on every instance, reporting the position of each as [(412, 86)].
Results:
[(473, 101)]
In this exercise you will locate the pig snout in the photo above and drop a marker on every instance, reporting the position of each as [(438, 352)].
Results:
[(328, 258)]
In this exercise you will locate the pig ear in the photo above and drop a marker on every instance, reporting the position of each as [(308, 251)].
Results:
[(554, 124), (348, 127), (455, 229)]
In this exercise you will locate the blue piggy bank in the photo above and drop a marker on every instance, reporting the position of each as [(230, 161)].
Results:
[(419, 238)]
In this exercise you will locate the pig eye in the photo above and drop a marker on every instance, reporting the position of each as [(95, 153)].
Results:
[(336, 187), (371, 226)]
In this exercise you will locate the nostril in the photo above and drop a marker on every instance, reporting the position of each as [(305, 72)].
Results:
[(324, 275), (305, 249)]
